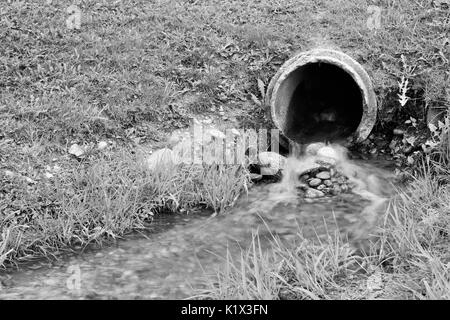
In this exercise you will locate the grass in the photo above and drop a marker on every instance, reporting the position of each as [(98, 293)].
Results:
[(103, 198), (152, 65), (408, 258), (138, 69)]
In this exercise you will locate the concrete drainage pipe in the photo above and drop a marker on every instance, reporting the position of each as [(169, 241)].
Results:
[(322, 95)]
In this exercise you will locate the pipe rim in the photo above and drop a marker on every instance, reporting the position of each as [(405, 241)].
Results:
[(341, 60)]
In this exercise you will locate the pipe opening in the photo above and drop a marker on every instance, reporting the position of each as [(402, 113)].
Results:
[(322, 95), (326, 103)]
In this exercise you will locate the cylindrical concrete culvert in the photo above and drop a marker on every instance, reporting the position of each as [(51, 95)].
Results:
[(322, 95)]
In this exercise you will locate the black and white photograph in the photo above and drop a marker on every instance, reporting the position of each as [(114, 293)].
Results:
[(207, 151)]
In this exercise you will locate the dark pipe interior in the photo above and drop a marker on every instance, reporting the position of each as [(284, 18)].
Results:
[(326, 104)]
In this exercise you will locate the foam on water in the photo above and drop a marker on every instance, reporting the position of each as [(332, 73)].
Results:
[(367, 185)]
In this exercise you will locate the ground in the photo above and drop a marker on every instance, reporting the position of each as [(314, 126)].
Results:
[(135, 70)]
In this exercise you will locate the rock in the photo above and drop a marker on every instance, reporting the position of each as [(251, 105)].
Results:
[(326, 190), (313, 193), (272, 159), (255, 177), (161, 158), (310, 168), (311, 149), (271, 162), (326, 162), (324, 175), (314, 182), (304, 177), (328, 152), (328, 183), (341, 180), (344, 188), (76, 150), (102, 145), (267, 171), (321, 187)]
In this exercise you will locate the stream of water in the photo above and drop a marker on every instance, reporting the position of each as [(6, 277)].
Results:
[(172, 261)]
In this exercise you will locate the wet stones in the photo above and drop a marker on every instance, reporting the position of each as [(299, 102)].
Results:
[(313, 193), (315, 182), (332, 186), (320, 175), (255, 177), (324, 175)]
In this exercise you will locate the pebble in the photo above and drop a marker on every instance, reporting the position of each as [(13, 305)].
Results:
[(313, 148), (102, 145), (271, 162), (315, 182), (321, 187), (271, 159), (324, 175), (310, 168), (255, 176), (304, 177), (328, 183), (326, 162), (326, 190), (341, 180), (76, 150), (267, 171), (313, 193), (328, 152)]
